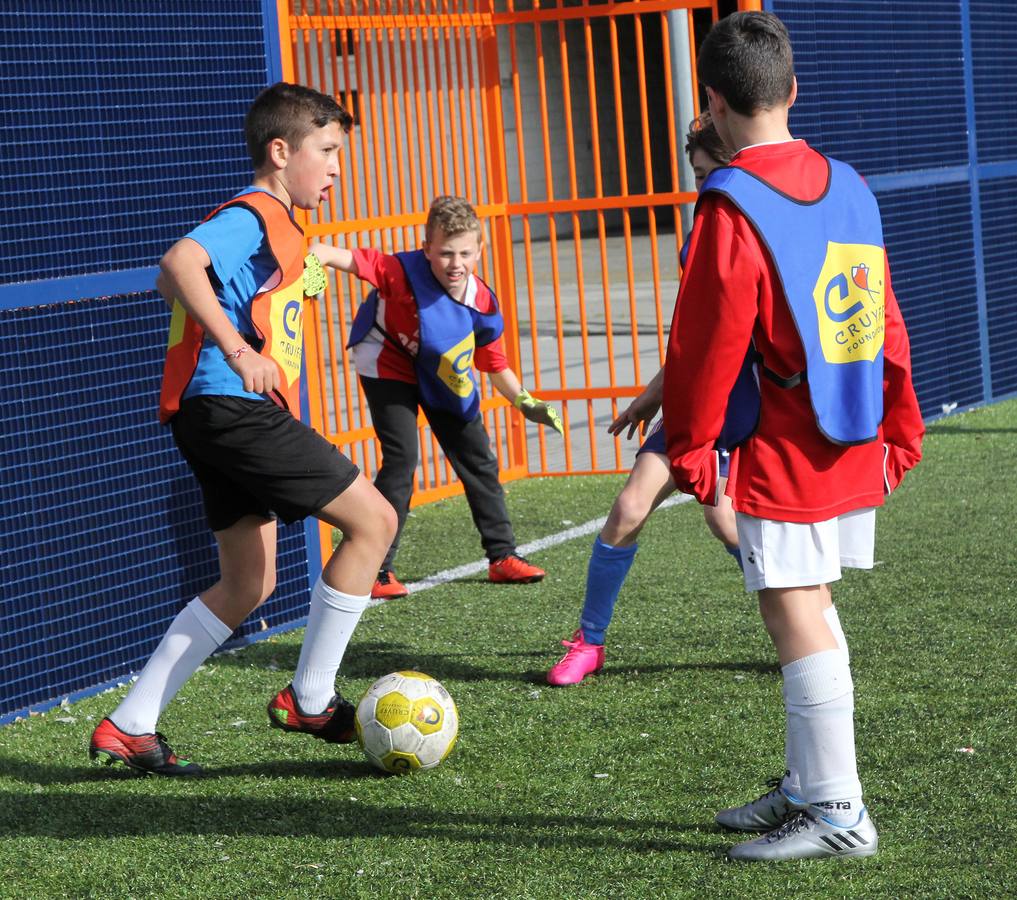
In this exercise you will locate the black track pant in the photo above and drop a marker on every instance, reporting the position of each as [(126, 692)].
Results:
[(467, 446)]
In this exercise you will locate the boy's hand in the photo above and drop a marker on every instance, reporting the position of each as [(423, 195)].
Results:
[(260, 374), (538, 411), (314, 276), (641, 410)]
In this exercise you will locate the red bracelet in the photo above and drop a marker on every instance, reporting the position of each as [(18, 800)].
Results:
[(236, 353)]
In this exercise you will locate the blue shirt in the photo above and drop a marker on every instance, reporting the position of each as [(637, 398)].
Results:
[(241, 263)]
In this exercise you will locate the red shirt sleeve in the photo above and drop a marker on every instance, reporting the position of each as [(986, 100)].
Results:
[(710, 334), (491, 357), (382, 271)]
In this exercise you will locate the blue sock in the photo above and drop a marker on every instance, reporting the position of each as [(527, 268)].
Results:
[(737, 554), (604, 578)]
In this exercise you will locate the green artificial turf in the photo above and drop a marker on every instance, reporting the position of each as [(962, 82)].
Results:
[(606, 789)]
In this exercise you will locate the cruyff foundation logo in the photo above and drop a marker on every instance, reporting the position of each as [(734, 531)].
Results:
[(287, 321), (850, 298), (455, 365)]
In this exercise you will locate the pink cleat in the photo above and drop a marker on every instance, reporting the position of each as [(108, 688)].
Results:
[(582, 659)]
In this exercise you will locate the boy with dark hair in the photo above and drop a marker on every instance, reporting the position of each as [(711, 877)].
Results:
[(415, 341), (787, 251), (231, 395), (648, 485)]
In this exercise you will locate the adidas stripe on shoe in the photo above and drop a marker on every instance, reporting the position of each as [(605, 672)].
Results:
[(807, 836)]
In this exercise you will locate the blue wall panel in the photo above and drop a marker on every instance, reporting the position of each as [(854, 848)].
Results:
[(999, 228), (918, 97), (866, 73), (104, 537), (994, 67), (929, 243), (122, 125)]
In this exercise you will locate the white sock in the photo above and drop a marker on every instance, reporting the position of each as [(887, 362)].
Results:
[(192, 637), (792, 782), (819, 698), (833, 620), (330, 625)]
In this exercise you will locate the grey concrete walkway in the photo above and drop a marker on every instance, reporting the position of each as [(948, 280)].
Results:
[(632, 308)]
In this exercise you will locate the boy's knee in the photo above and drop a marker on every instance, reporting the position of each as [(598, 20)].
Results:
[(721, 522), (268, 585), (379, 522), (250, 588), (629, 511), (388, 522)]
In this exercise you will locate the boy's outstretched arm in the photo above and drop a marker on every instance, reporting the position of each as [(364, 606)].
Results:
[(182, 277), (337, 257), (642, 409), (507, 383)]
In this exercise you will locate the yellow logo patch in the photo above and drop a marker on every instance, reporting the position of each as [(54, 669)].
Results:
[(286, 317), (850, 299), (455, 365), (177, 322)]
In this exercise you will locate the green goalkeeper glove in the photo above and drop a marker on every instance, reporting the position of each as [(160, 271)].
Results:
[(314, 276), (538, 411)]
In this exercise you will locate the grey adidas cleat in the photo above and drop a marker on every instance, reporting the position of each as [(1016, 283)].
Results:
[(806, 836), (764, 813)]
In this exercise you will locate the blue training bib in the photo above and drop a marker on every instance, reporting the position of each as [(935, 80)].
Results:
[(830, 258)]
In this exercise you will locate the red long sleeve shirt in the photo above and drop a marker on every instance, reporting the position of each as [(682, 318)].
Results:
[(730, 292), (397, 308)]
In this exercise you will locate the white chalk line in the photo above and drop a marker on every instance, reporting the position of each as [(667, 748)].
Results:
[(551, 540)]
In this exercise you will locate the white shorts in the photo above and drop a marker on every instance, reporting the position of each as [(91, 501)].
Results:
[(797, 554)]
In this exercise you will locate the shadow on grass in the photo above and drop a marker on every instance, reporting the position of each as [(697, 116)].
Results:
[(83, 815), (371, 660), (33, 773), (958, 429), (636, 671)]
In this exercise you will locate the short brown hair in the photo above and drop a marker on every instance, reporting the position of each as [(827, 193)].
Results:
[(290, 112), (747, 59), (454, 216), (703, 136)]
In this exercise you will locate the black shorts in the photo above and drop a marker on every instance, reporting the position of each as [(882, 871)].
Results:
[(252, 457)]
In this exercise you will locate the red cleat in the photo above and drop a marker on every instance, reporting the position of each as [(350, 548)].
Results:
[(334, 725), (388, 587), (513, 569), (145, 753)]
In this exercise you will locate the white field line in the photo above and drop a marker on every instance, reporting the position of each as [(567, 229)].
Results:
[(474, 568)]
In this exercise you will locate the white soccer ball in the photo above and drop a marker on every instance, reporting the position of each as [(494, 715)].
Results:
[(407, 721)]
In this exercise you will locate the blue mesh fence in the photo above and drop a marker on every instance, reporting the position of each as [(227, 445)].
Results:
[(994, 73), (121, 127), (916, 97), (104, 537), (936, 290), (999, 225)]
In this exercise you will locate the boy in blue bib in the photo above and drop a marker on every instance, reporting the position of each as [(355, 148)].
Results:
[(415, 342), (787, 251)]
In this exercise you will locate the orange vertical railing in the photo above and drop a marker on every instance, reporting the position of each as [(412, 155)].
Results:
[(559, 123)]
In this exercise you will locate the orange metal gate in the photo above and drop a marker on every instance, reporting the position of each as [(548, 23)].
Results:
[(558, 123)]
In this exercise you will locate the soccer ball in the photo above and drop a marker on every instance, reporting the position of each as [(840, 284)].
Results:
[(406, 721)]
